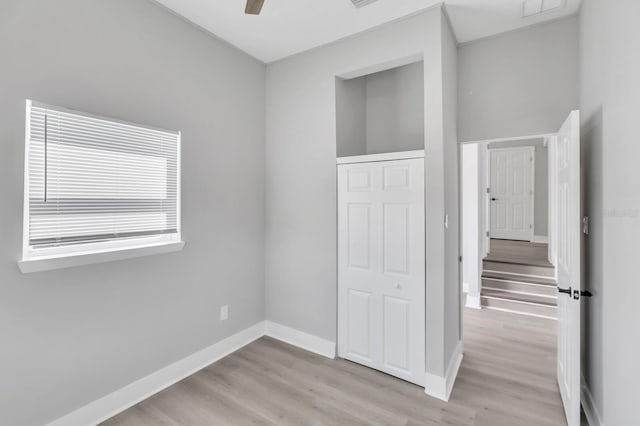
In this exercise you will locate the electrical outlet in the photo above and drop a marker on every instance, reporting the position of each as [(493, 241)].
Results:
[(224, 313)]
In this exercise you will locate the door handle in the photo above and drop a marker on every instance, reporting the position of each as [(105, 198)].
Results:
[(565, 291), (575, 293), (494, 199)]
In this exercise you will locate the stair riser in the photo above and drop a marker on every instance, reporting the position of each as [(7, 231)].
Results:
[(519, 269), (521, 297), (543, 290), (520, 308), (486, 273)]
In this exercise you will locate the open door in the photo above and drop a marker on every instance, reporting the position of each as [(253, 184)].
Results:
[(568, 239)]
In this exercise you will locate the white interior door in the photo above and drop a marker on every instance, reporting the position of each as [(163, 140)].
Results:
[(568, 228), (381, 266), (511, 186)]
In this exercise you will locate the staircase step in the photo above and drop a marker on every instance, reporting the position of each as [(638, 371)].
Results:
[(519, 296), (519, 307), (512, 276), (546, 271), (520, 286)]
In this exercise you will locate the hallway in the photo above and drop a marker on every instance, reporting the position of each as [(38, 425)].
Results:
[(522, 252), (509, 369)]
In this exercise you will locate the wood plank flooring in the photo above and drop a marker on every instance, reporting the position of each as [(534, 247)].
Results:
[(518, 252), (507, 378)]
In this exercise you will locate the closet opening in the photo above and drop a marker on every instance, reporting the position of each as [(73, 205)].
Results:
[(381, 112)]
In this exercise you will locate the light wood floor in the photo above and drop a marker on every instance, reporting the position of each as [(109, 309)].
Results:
[(518, 252), (507, 378)]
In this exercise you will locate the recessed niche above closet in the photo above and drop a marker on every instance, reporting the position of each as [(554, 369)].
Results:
[(381, 112)]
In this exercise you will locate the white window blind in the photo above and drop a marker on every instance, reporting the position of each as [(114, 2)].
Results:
[(93, 180)]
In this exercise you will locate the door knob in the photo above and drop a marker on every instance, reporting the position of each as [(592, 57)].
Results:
[(494, 199)]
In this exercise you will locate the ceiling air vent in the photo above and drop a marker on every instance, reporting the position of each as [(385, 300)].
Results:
[(536, 7), (362, 3)]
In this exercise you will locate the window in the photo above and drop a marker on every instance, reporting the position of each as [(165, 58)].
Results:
[(96, 185)]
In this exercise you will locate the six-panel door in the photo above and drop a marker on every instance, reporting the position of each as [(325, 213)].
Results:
[(511, 185), (381, 266), (568, 269)]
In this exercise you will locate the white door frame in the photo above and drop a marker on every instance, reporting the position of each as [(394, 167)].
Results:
[(532, 206), (484, 229), (553, 202), (472, 245), (485, 203)]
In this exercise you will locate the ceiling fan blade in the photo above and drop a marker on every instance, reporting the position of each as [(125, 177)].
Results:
[(253, 7)]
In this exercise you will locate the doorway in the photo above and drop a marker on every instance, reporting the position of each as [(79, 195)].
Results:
[(505, 223), (519, 278)]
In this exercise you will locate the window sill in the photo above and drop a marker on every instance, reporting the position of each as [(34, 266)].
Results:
[(60, 262)]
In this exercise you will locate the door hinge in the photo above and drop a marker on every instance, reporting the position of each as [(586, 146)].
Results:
[(460, 259), (488, 234), (530, 226), (488, 190), (585, 225)]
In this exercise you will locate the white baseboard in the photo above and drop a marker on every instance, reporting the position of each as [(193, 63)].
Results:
[(473, 301), (540, 239), (118, 401), (301, 339), (589, 406), (441, 387), (128, 396)]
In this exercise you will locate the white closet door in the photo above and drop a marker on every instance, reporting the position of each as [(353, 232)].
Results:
[(381, 266)]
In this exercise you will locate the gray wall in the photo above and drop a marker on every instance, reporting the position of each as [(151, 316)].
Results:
[(351, 116), (523, 82), (381, 112), (610, 104), (395, 109), (541, 195), (301, 174), (72, 336), (452, 286)]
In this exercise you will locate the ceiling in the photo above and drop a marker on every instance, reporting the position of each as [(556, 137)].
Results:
[(287, 27)]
